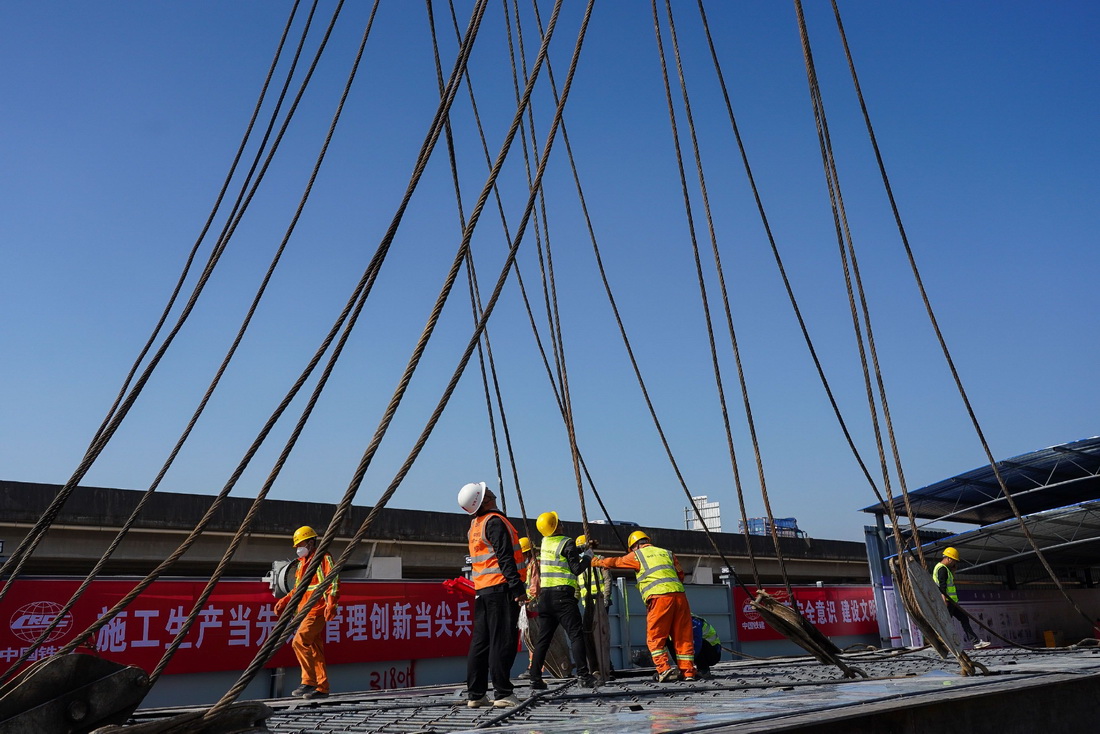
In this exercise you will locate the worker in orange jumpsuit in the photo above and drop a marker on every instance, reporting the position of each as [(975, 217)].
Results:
[(661, 583), (309, 642)]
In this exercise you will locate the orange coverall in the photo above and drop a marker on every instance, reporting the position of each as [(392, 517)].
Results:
[(309, 641), (667, 615)]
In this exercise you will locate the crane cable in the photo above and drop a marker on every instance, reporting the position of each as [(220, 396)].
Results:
[(935, 325), (281, 628)]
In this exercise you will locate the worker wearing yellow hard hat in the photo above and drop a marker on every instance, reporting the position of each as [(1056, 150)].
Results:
[(595, 597), (309, 641), (944, 576), (559, 563), (661, 583)]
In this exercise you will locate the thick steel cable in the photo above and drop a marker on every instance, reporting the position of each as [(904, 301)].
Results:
[(658, 34), (833, 184), (136, 512), (471, 271), (780, 264), (215, 505), (935, 323), (735, 348), (347, 320), (281, 628), (239, 536), (101, 436), (550, 297)]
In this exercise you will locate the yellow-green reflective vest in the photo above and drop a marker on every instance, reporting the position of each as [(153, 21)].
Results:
[(657, 574), (553, 568), (591, 583), (952, 592)]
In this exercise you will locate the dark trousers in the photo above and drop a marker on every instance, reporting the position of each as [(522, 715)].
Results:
[(964, 621), (559, 607), (493, 645)]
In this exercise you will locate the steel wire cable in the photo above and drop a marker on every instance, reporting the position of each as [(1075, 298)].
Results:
[(471, 277), (781, 267), (550, 297), (347, 320), (139, 507), (840, 224), (281, 627), (701, 282), (110, 422), (935, 322), (200, 526)]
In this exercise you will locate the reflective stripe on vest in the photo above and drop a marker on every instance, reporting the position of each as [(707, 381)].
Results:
[(657, 574), (591, 583), (952, 592), (324, 568), (486, 567), (553, 568)]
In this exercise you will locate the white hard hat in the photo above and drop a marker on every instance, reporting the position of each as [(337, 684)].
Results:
[(471, 495)]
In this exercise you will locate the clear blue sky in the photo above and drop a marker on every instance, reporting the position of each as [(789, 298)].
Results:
[(120, 121)]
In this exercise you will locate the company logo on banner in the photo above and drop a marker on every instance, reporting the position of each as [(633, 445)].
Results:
[(377, 621), (836, 611)]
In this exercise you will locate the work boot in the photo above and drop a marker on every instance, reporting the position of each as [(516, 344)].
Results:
[(668, 676), (538, 684), (525, 675), (476, 703), (301, 690), (982, 644), (315, 694), (688, 675), (587, 681), (507, 702)]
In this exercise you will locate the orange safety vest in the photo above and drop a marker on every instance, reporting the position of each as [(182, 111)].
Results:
[(486, 568), (319, 576)]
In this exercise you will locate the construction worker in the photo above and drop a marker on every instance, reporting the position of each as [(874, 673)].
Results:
[(595, 597), (708, 645), (944, 576), (499, 575), (661, 584), (309, 641), (559, 564)]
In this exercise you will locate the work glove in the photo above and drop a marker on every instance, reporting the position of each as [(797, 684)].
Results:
[(281, 605), (330, 609)]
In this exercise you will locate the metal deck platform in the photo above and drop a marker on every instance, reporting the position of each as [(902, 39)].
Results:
[(907, 691)]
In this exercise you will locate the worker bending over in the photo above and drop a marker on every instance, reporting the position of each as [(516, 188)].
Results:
[(661, 583)]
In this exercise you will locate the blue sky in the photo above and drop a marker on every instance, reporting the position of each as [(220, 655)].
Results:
[(121, 120)]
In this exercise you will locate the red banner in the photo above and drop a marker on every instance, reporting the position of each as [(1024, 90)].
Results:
[(377, 621), (836, 611)]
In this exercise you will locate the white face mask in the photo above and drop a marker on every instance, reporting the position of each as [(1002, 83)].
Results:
[(302, 552)]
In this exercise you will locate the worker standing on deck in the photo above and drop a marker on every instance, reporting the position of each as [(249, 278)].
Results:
[(595, 593), (559, 564), (499, 572), (944, 576), (309, 641), (661, 584)]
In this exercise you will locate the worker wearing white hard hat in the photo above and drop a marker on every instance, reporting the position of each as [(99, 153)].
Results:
[(499, 573)]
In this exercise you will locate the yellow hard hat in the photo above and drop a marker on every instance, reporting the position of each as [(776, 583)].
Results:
[(304, 533), (547, 523), (636, 536), (581, 540), (524, 544), (951, 553)]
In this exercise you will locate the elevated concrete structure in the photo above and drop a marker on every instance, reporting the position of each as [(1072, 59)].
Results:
[(430, 544)]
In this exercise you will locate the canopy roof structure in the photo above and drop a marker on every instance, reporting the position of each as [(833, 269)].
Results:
[(1047, 479), (1066, 535)]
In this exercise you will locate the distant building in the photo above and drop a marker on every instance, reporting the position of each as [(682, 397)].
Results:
[(785, 527), (709, 511)]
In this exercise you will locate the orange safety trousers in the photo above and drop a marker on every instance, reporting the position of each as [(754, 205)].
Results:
[(668, 616), (309, 647)]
